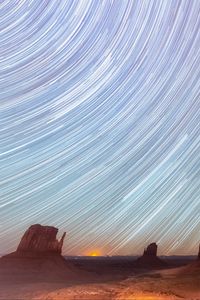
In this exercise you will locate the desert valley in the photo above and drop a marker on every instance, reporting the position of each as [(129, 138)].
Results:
[(37, 270)]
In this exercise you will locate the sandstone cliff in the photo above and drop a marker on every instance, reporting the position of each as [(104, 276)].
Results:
[(40, 238)]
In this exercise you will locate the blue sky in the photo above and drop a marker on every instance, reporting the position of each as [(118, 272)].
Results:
[(100, 114)]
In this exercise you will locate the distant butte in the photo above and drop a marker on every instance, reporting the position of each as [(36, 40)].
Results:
[(149, 258), (151, 250)]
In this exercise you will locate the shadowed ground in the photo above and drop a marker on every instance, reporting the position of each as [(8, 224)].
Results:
[(58, 279)]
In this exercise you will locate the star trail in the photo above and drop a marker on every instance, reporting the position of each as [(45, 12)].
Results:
[(100, 123)]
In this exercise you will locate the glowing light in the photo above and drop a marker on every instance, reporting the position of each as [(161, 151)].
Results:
[(94, 253)]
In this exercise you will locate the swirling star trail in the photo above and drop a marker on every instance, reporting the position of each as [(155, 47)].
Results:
[(100, 114)]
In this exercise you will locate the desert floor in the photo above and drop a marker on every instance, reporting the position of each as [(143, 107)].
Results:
[(157, 285)]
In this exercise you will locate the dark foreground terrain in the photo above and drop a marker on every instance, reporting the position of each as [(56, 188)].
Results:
[(54, 277)]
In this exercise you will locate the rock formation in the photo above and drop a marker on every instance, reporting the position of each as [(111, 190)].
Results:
[(199, 253), (40, 238), (151, 250), (149, 258), (37, 257)]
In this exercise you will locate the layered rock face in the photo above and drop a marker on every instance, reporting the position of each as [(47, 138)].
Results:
[(38, 258), (151, 250), (40, 238)]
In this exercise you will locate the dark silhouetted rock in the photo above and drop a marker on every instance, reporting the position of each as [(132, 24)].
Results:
[(151, 250), (149, 258), (199, 253)]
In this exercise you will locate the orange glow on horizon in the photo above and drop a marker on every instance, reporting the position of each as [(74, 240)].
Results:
[(94, 253)]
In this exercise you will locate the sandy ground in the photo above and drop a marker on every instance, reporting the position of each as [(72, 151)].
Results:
[(159, 285)]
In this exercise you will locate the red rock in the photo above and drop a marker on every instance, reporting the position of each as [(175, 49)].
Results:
[(38, 259), (40, 239)]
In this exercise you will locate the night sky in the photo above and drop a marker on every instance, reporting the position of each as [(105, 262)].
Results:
[(100, 123)]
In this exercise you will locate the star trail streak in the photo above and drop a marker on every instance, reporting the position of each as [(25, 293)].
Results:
[(100, 123)]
